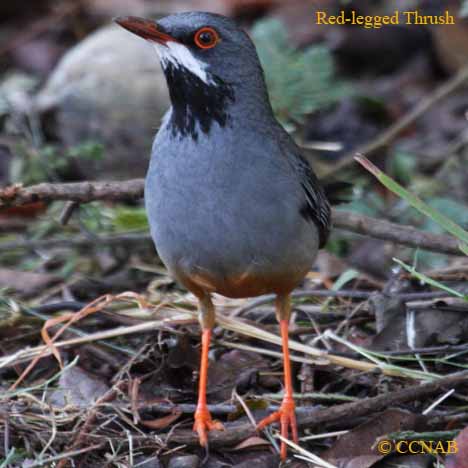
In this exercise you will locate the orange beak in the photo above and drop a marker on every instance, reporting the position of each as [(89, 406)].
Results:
[(144, 28)]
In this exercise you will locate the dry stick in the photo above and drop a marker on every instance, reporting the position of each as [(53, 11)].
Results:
[(404, 235), (81, 192), (25, 355), (95, 306), (12, 224), (64, 456), (236, 433), (343, 293), (129, 238), (394, 130), (80, 438), (226, 322), (132, 190), (67, 212), (45, 350), (220, 409), (400, 234)]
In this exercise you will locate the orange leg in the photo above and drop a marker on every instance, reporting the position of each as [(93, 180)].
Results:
[(203, 422), (286, 414)]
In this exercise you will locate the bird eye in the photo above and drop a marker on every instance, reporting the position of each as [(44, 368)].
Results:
[(206, 38)]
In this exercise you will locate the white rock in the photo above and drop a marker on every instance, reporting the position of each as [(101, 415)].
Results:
[(109, 88)]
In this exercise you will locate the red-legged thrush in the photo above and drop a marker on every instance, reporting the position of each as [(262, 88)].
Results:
[(233, 206)]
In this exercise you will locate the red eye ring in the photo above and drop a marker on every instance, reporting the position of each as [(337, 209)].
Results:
[(206, 38)]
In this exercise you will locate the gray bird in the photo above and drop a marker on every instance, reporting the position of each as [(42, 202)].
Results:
[(233, 206)]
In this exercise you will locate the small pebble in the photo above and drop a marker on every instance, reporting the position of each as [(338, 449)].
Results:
[(185, 461)]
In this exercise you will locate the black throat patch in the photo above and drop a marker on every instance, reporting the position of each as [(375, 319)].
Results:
[(196, 105)]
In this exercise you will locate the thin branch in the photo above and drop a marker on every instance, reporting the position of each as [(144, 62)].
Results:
[(11, 224), (80, 437), (343, 293), (400, 234), (81, 192), (321, 417), (220, 409), (132, 190), (65, 456), (76, 242), (388, 135)]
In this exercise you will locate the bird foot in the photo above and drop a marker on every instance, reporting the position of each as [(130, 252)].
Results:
[(203, 424), (287, 418)]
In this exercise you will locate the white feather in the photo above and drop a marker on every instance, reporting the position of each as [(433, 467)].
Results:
[(411, 329), (180, 56), (166, 117)]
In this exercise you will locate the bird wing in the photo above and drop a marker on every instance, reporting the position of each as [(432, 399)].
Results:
[(316, 207)]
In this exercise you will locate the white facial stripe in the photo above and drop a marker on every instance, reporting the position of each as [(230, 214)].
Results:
[(180, 56)]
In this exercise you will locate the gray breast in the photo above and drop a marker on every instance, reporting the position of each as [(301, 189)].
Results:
[(227, 208)]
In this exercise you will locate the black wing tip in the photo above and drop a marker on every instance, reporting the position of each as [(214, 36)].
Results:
[(321, 222)]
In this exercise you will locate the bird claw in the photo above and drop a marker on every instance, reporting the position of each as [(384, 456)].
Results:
[(286, 415), (204, 423)]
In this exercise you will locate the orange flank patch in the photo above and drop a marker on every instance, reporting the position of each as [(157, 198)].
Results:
[(246, 284)]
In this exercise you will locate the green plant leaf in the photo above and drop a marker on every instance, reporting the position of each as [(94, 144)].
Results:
[(345, 278), (451, 208), (299, 82), (464, 248), (130, 218), (422, 277), (402, 167), (90, 150)]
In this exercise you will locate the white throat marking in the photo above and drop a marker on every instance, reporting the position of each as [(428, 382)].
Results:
[(180, 56)]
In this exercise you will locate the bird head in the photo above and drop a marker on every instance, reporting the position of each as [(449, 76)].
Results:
[(209, 63), (211, 47)]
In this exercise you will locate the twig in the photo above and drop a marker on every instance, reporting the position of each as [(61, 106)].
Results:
[(400, 234), (236, 433), (221, 409), (92, 415), (132, 190), (81, 192), (438, 217), (77, 242), (429, 350), (394, 130), (225, 409), (342, 293), (65, 456), (27, 354), (364, 407), (438, 402), (11, 224), (52, 345), (93, 307), (67, 212)]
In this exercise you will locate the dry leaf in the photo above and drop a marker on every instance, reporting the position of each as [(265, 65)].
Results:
[(251, 442), (162, 423)]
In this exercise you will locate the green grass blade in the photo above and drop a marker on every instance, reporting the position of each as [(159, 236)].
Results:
[(430, 281), (464, 248), (416, 202)]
